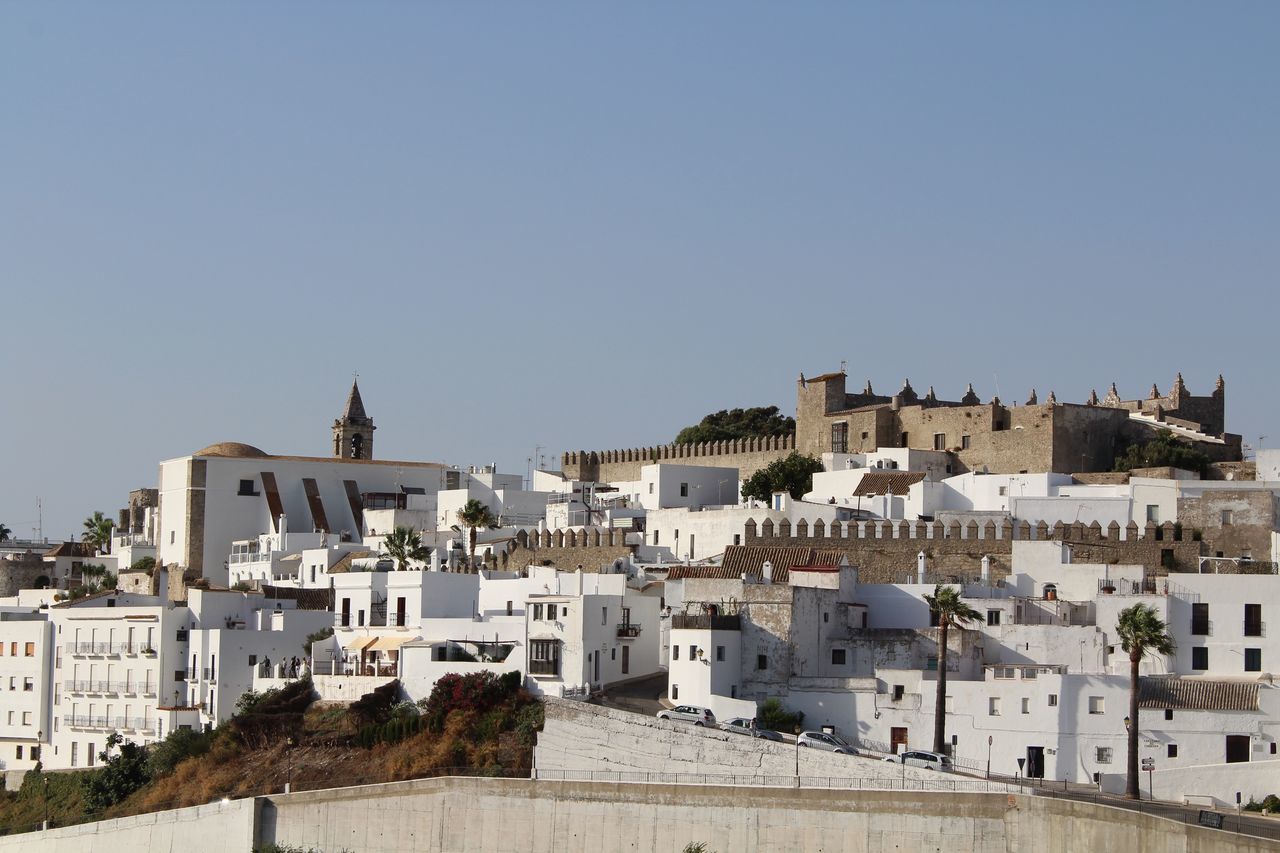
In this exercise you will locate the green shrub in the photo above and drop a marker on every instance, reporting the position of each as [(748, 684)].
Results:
[(773, 716)]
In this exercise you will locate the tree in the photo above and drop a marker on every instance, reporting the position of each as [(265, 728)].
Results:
[(119, 776), (4, 533), (728, 424), (1141, 632), (474, 515), (1163, 451), (97, 532), (950, 609), (404, 544), (793, 474)]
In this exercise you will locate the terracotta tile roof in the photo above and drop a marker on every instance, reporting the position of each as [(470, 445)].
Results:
[(1194, 694), (344, 564), (750, 559), (882, 482), (826, 377), (71, 549)]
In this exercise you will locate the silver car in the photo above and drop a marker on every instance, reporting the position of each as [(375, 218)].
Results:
[(689, 714), (822, 740), (921, 758), (743, 726)]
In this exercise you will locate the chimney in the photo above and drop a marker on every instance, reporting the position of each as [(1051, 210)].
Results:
[(986, 568), (920, 567), (767, 571)]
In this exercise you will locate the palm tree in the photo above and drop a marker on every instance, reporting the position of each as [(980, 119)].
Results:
[(4, 533), (950, 609), (474, 515), (97, 532), (1141, 632), (404, 544)]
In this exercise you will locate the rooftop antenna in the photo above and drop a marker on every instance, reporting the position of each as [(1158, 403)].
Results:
[(39, 520)]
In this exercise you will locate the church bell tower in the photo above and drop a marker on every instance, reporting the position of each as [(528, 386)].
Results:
[(353, 432)]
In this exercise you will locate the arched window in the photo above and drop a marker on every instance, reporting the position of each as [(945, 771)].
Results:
[(357, 446)]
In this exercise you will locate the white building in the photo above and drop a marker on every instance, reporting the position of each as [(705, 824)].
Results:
[(26, 658)]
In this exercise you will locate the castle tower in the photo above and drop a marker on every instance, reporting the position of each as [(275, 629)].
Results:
[(353, 432)]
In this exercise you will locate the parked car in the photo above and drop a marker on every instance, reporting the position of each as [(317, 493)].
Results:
[(742, 726), (921, 758), (822, 740), (689, 714)]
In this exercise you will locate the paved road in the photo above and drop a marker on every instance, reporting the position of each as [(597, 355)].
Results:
[(640, 697)]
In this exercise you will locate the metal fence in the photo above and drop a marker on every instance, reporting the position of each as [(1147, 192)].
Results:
[(1238, 823), (890, 782)]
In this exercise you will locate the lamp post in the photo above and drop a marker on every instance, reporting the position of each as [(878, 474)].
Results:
[(46, 800), (288, 779), (989, 739)]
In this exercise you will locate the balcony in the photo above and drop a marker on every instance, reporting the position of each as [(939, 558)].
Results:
[(137, 724), (628, 631), (544, 667), (705, 622), (105, 649), (210, 675)]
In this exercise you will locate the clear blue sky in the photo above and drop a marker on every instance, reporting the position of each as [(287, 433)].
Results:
[(586, 225)]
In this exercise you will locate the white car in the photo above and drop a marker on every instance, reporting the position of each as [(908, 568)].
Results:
[(689, 714), (921, 758), (822, 740), (742, 726)]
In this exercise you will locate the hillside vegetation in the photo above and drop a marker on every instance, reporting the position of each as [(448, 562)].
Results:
[(479, 722)]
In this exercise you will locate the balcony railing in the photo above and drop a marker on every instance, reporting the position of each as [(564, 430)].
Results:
[(1255, 629), (544, 667), (101, 686), (134, 648), (628, 631), (138, 724), (210, 675)]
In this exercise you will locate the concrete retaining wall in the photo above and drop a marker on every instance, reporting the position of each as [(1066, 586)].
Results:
[(578, 737), (508, 815), (214, 828)]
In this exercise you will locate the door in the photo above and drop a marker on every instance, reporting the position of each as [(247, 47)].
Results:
[(1237, 748), (626, 659), (400, 612), (897, 738), (1035, 762), (346, 612), (596, 671)]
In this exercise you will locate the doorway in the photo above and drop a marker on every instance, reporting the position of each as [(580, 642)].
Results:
[(596, 676), (626, 660), (1237, 749), (897, 738), (1035, 762)]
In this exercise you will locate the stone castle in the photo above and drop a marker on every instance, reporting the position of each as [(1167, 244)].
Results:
[(1034, 437)]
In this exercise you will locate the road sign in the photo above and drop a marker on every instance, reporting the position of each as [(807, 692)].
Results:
[(1148, 764)]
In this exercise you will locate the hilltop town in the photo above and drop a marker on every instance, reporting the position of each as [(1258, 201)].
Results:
[(944, 584)]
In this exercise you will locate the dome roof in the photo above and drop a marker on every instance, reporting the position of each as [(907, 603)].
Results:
[(232, 449)]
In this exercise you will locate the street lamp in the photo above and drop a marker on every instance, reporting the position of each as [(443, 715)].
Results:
[(46, 800), (989, 738), (288, 783)]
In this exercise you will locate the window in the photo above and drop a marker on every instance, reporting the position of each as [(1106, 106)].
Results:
[(246, 488), (939, 441), (1172, 750), (1253, 620), (684, 490), (173, 534), (839, 438), (964, 442), (1200, 620), (948, 704), (1102, 754), (737, 539), (29, 650), (719, 653), (28, 684), (865, 435), (899, 690), (693, 651), (1004, 490), (762, 661), (824, 618), (537, 613), (552, 612), (837, 657), (19, 750), (931, 665), (1097, 705), (675, 652), (993, 706), (1026, 705), (1153, 513), (906, 438), (1228, 517), (26, 718), (1053, 700), (675, 692), (604, 616), (1200, 657), (613, 654), (1168, 713), (74, 750), (508, 608), (993, 617), (651, 488), (1253, 660)]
